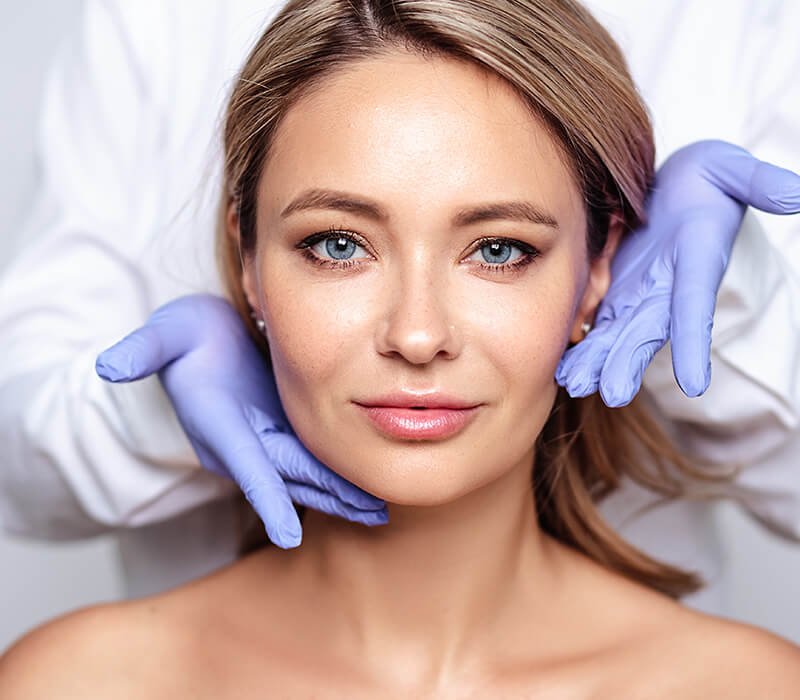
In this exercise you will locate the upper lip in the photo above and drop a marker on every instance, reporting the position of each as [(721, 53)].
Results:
[(411, 399)]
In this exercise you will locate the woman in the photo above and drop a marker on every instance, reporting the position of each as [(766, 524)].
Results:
[(422, 202)]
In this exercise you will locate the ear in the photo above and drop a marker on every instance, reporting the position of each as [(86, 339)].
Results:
[(249, 280), (599, 279)]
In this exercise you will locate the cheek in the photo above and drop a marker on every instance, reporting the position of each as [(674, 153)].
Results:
[(318, 340), (524, 347), (526, 327), (302, 329)]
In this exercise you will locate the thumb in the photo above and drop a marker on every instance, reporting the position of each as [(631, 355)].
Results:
[(775, 190), (753, 182), (164, 337), (137, 355)]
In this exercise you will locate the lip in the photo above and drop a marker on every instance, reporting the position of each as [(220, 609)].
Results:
[(419, 424), (412, 399)]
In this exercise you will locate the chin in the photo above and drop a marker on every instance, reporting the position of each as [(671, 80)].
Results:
[(414, 487)]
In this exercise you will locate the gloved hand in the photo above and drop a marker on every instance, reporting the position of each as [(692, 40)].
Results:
[(225, 396), (665, 275)]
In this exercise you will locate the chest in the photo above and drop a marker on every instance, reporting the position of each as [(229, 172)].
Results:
[(276, 674)]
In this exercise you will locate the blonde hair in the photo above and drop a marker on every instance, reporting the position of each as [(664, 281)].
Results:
[(567, 69)]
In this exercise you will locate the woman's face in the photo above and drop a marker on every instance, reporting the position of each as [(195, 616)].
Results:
[(418, 301)]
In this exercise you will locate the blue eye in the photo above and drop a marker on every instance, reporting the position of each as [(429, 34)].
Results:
[(340, 245), (336, 243), (499, 251)]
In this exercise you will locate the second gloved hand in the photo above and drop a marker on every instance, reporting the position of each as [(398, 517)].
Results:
[(227, 402), (665, 276)]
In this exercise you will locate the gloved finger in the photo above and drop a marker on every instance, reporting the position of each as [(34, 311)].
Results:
[(170, 332), (293, 461), (312, 497), (139, 354), (644, 334), (775, 190), (580, 368), (260, 482), (752, 181), (209, 460), (694, 298), (574, 358), (167, 334)]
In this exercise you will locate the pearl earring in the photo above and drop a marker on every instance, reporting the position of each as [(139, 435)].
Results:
[(260, 324), (585, 328)]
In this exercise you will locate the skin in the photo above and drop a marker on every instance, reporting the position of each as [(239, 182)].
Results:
[(460, 594)]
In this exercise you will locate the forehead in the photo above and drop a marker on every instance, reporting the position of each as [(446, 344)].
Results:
[(420, 132)]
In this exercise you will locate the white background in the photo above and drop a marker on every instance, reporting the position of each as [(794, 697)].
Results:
[(39, 580)]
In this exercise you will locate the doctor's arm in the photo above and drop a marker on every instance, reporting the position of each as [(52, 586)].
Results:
[(71, 467), (82, 456), (750, 414)]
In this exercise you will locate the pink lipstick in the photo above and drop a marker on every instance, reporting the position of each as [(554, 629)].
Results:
[(419, 423)]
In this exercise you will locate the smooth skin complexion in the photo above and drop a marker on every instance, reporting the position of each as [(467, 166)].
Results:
[(460, 595)]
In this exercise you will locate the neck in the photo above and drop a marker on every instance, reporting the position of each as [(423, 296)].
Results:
[(438, 585)]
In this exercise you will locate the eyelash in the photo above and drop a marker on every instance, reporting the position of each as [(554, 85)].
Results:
[(529, 253)]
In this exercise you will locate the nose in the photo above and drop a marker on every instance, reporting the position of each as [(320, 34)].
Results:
[(418, 323)]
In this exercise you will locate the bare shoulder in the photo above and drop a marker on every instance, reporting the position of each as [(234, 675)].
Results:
[(180, 643), (86, 654), (761, 663), (723, 658), (672, 651)]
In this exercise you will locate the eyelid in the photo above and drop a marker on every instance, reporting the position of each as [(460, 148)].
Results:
[(315, 238), (486, 240)]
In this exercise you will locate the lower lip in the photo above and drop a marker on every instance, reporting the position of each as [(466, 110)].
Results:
[(418, 424)]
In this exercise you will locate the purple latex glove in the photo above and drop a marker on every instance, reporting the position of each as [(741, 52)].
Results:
[(227, 402), (665, 276)]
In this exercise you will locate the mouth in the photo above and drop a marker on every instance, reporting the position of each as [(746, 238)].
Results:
[(419, 422)]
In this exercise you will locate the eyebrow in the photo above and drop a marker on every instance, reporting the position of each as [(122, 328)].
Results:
[(317, 198)]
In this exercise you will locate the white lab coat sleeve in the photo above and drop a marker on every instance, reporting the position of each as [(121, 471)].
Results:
[(750, 415), (81, 456)]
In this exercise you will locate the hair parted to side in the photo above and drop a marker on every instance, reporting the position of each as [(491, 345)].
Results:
[(564, 65)]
